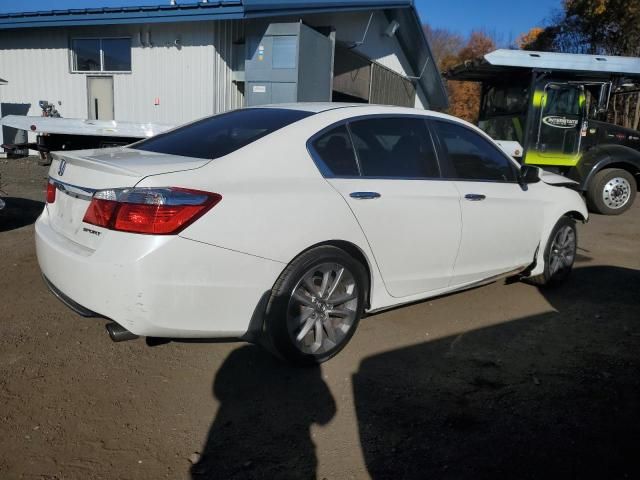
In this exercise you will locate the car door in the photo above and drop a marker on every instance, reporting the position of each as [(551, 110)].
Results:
[(501, 220), (387, 171)]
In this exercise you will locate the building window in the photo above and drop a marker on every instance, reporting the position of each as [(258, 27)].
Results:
[(101, 54)]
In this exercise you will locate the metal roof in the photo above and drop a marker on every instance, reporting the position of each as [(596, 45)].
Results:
[(210, 10), (501, 62), (411, 37)]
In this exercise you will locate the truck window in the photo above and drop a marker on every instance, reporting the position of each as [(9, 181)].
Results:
[(503, 112)]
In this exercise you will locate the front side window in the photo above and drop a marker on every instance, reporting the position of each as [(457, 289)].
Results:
[(220, 135), (101, 54), (335, 151), (394, 147), (472, 157)]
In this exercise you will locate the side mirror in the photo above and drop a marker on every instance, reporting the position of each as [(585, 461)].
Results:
[(529, 174)]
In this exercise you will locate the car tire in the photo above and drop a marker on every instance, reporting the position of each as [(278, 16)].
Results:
[(559, 254), (611, 191), (315, 306)]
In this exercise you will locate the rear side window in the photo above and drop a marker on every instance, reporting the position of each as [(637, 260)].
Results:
[(222, 134), (394, 147), (471, 156), (336, 153)]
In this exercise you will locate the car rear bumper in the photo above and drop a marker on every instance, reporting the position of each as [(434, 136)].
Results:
[(76, 307), (156, 286)]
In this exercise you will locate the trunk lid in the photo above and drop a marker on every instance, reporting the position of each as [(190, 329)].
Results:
[(78, 174)]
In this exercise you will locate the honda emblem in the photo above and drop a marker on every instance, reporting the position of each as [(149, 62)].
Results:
[(62, 166)]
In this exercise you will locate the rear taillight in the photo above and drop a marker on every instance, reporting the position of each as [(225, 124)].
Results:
[(51, 192), (156, 211)]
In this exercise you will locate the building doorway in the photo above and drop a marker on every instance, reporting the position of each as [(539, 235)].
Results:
[(100, 97)]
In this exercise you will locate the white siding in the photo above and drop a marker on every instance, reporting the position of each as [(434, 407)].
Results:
[(190, 81)]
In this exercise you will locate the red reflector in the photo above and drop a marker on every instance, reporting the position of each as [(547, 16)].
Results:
[(163, 211), (51, 193)]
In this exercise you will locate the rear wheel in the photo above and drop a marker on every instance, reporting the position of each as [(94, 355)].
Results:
[(559, 254), (612, 191), (315, 305)]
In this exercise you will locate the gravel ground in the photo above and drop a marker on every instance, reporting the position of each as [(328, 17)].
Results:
[(504, 381)]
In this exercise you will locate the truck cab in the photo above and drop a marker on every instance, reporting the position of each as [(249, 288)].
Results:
[(550, 110)]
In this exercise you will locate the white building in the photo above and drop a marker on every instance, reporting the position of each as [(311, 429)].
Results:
[(174, 63)]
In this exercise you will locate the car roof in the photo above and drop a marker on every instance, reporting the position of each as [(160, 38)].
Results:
[(313, 107), (349, 109)]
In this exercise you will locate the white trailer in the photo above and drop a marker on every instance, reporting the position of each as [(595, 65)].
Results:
[(54, 134)]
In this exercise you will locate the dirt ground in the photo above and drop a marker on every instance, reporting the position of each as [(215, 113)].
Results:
[(504, 381)]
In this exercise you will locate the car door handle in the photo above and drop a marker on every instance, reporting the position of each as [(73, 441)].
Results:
[(475, 197), (364, 195)]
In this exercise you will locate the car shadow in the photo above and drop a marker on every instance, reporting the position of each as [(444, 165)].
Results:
[(262, 427), (19, 212), (555, 395)]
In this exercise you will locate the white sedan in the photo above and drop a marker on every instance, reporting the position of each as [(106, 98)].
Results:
[(283, 225)]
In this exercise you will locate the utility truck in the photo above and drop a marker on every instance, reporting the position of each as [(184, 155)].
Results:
[(551, 110)]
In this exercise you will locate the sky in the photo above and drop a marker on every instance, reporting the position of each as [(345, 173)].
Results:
[(503, 19)]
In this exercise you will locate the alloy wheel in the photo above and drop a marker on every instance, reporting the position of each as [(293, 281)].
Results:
[(563, 250), (322, 308)]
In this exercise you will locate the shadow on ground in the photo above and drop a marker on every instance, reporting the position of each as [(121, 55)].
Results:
[(555, 395), (262, 428), (550, 396), (18, 213)]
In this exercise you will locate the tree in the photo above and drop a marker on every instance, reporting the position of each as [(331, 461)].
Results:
[(445, 46), (464, 97), (449, 50), (529, 38)]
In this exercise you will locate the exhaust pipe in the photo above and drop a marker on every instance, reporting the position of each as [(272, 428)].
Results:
[(119, 334)]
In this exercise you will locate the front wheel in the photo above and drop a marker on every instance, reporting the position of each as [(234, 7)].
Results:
[(559, 254), (612, 191), (315, 305)]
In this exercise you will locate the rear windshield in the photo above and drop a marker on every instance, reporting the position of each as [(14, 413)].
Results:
[(216, 136)]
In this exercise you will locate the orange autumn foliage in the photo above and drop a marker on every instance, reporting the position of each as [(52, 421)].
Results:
[(464, 97)]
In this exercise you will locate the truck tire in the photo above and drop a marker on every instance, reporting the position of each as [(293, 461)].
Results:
[(611, 191)]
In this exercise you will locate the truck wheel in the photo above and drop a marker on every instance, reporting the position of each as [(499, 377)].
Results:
[(612, 191), (559, 254)]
